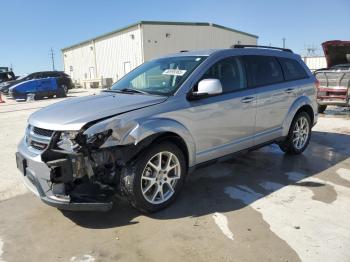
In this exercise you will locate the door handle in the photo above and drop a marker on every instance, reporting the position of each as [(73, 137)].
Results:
[(247, 99), (289, 90)]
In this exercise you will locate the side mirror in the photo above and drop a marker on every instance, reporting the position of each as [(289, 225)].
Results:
[(207, 87)]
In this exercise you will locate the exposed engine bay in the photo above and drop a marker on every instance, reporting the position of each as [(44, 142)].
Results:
[(81, 171)]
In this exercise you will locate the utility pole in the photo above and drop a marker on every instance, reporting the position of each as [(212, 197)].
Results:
[(284, 42), (52, 59)]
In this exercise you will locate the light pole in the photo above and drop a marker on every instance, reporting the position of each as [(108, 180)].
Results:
[(52, 59)]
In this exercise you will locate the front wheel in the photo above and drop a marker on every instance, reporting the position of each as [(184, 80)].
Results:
[(155, 178), (299, 135)]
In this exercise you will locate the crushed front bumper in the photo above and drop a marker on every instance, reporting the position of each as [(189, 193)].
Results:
[(36, 176)]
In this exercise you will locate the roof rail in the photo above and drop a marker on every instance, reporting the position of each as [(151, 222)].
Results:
[(264, 46)]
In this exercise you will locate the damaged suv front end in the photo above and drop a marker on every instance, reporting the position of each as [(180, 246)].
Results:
[(74, 151), (73, 170), (79, 169)]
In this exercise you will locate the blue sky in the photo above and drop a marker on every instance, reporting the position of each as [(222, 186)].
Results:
[(30, 28)]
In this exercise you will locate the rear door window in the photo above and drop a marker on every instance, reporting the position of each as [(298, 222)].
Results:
[(263, 70), (292, 69)]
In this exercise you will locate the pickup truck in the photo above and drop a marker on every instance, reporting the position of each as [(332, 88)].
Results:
[(6, 75), (334, 81)]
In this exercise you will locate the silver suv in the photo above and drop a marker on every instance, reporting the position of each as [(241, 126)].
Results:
[(140, 138)]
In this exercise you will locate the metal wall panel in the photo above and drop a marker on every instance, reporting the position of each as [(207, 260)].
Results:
[(109, 57), (164, 39), (77, 61), (315, 62), (117, 53)]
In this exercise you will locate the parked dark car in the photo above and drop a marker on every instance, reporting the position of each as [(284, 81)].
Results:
[(39, 88), (63, 80), (334, 81)]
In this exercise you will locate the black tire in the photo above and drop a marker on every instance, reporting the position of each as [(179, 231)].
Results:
[(62, 91), (287, 145), (321, 108), (131, 177)]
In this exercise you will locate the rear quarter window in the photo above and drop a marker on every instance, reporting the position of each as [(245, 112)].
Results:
[(262, 70), (292, 69)]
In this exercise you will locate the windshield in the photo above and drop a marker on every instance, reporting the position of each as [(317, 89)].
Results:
[(161, 77)]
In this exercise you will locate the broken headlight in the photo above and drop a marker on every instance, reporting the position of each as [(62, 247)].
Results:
[(97, 140), (67, 140), (72, 140)]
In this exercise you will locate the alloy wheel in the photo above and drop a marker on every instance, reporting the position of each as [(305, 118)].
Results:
[(159, 177), (300, 133)]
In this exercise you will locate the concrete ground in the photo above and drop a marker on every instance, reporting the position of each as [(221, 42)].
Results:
[(259, 206)]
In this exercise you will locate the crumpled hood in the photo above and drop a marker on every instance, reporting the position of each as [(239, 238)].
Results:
[(336, 52), (73, 114)]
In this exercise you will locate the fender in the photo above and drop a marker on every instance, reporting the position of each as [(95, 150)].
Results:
[(298, 103), (133, 132)]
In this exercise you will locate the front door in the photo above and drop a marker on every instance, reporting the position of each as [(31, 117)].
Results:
[(223, 124)]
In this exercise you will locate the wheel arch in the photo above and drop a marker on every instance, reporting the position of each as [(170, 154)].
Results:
[(175, 139), (158, 130), (143, 133), (301, 104)]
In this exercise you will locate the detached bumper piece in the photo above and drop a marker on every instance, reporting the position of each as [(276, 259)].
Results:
[(76, 206), (83, 197)]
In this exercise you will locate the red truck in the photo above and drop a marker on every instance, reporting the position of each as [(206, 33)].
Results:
[(334, 81)]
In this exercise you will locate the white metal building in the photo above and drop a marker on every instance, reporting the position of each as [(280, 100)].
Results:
[(315, 62), (108, 57)]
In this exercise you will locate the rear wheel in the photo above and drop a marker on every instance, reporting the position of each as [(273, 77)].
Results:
[(155, 178), (299, 135), (62, 91), (321, 108)]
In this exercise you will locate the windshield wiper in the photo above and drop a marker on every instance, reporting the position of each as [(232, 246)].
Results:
[(131, 90)]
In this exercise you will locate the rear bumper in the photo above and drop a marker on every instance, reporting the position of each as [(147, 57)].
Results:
[(36, 176), (330, 102), (333, 96)]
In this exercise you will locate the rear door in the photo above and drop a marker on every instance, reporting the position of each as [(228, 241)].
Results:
[(274, 97)]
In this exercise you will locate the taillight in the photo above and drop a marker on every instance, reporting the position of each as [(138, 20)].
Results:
[(317, 84)]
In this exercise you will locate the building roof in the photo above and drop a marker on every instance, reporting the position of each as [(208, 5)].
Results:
[(159, 23)]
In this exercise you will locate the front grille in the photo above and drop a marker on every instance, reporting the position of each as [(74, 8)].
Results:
[(42, 132), (38, 139), (38, 145)]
